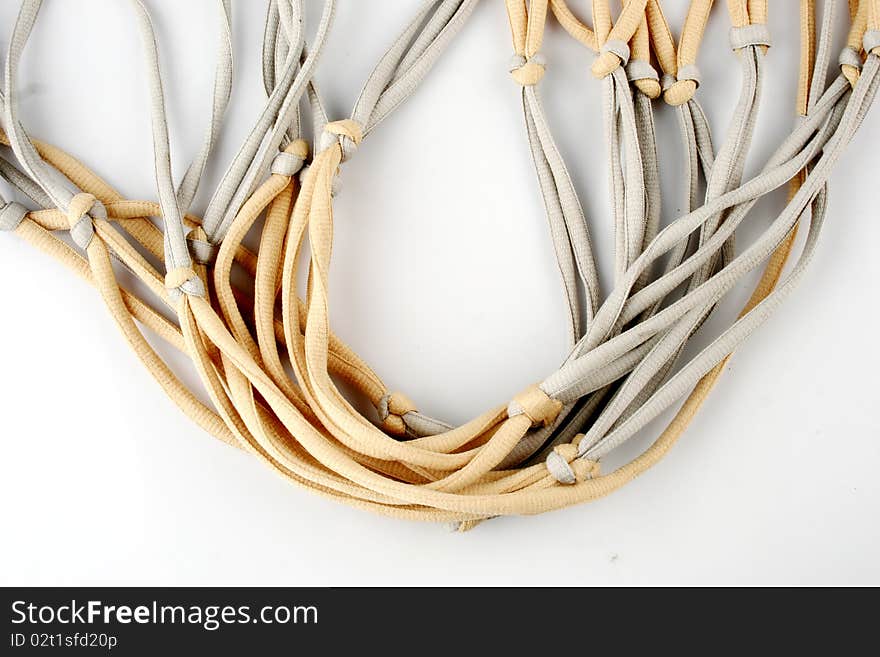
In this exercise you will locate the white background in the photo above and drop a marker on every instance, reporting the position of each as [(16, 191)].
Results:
[(444, 279)]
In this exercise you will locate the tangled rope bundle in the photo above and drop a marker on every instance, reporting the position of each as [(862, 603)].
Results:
[(267, 356)]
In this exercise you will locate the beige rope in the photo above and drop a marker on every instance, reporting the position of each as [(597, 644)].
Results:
[(604, 33), (640, 54), (852, 70), (683, 89), (304, 428), (527, 28)]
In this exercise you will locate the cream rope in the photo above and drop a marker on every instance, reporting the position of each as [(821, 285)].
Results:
[(616, 378)]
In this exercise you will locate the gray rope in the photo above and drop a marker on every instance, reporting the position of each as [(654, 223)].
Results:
[(565, 216), (813, 193), (398, 73), (50, 180), (699, 153), (726, 174), (177, 254), (20, 181), (781, 168), (189, 185), (11, 215), (262, 144), (59, 190)]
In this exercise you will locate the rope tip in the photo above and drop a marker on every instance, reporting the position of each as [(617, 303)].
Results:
[(606, 63), (650, 88), (680, 92)]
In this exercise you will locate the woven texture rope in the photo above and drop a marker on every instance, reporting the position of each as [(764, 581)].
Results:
[(267, 356)]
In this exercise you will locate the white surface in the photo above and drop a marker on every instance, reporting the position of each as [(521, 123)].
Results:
[(775, 482)]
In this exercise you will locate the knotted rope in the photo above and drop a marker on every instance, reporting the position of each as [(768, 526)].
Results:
[(619, 375)]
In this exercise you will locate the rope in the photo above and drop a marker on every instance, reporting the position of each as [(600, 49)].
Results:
[(568, 225), (542, 450)]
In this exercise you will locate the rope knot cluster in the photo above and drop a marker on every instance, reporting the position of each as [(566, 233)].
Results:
[(527, 71), (568, 467), (392, 407)]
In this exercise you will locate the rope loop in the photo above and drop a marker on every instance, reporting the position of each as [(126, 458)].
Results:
[(850, 57), (871, 42), (644, 77), (392, 407), (289, 162), (11, 216), (527, 71), (80, 214), (743, 36)]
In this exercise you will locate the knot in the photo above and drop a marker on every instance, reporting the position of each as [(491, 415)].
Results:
[(347, 133), (11, 215), (614, 53), (850, 61), (871, 42), (677, 90), (644, 77), (537, 405), (744, 36), (849, 56), (202, 251), (83, 209), (184, 280), (527, 72), (289, 162), (392, 407), (567, 467)]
